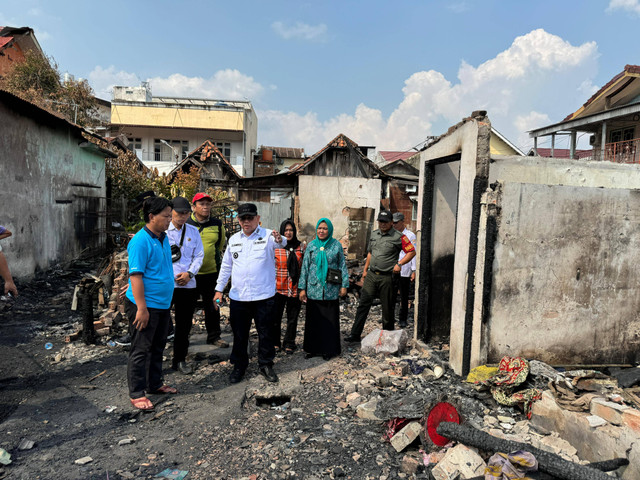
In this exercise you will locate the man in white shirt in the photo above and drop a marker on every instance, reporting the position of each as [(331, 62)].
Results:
[(407, 271), (249, 261), (187, 255)]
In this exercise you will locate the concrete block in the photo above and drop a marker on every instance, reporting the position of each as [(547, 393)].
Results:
[(102, 332), (596, 421), (631, 420), (611, 412), (459, 459), (546, 413), (400, 370), (354, 399), (367, 411), (409, 465), (406, 436)]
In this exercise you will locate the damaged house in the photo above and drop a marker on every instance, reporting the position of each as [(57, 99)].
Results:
[(526, 256), (338, 182), (52, 187)]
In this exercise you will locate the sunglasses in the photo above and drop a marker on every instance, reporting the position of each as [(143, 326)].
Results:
[(244, 218)]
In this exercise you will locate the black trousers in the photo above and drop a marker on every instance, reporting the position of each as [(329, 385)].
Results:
[(241, 314), (404, 285), (184, 304), (292, 305), (380, 286), (144, 369), (206, 288)]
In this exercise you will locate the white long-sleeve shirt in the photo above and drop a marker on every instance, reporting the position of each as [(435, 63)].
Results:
[(408, 268), (251, 263), (192, 252)]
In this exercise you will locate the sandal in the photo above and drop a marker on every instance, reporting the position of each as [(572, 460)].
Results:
[(142, 403), (288, 351), (166, 389)]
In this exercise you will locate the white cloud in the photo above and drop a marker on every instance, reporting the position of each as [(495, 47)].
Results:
[(532, 83), (224, 84), (632, 6), (300, 30), (537, 80)]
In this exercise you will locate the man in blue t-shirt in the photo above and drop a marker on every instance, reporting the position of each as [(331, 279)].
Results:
[(148, 301)]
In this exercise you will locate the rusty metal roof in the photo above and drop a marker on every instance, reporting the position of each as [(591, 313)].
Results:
[(285, 152), (4, 41)]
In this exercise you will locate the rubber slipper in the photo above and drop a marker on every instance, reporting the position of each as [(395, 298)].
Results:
[(288, 351), (142, 403), (166, 389)]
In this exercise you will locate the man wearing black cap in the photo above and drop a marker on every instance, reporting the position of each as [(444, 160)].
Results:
[(382, 262), (187, 255), (249, 261), (213, 240)]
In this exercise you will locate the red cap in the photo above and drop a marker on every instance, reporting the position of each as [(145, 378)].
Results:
[(200, 196)]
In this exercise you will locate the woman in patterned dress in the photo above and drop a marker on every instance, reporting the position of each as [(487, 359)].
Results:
[(322, 323), (288, 265)]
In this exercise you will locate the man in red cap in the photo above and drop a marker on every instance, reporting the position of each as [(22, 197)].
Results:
[(213, 239)]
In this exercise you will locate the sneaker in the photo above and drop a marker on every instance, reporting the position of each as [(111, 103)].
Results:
[(170, 337), (124, 341)]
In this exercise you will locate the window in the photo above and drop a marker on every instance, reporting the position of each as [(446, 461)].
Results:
[(167, 150), (135, 144), (621, 135), (414, 208), (225, 149)]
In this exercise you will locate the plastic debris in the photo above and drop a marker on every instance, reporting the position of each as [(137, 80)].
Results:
[(110, 408), (385, 341), (48, 345), (83, 461), (172, 474), (5, 457), (26, 444)]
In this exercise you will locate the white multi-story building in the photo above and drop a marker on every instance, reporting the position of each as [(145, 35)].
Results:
[(163, 130)]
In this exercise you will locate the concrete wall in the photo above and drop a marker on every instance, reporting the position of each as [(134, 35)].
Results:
[(470, 139), (565, 286), (332, 197), (51, 216)]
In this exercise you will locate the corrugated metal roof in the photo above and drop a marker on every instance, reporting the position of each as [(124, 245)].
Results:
[(391, 155), (285, 152)]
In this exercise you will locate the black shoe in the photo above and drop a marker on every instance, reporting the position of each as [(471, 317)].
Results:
[(352, 339), (402, 324), (309, 355), (124, 341), (269, 374), (236, 375), (183, 367), (327, 356)]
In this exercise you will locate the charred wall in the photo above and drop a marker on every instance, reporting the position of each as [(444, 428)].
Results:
[(52, 191)]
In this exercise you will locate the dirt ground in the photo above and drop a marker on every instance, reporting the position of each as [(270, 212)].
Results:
[(63, 399)]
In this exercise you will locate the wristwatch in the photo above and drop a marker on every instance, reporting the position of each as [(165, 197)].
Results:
[(191, 275)]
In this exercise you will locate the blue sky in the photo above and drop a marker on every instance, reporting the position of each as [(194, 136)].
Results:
[(384, 73)]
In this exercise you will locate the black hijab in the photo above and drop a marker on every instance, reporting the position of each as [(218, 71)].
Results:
[(293, 267)]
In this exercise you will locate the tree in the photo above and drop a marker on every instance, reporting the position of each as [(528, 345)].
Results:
[(37, 79)]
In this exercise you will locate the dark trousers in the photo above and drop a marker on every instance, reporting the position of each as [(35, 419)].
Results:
[(292, 305), (241, 314), (206, 288), (144, 369), (404, 285), (375, 286), (184, 304)]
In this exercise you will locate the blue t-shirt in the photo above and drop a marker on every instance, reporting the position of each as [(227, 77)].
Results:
[(151, 256)]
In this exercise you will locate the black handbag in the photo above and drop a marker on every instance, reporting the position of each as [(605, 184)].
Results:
[(334, 276), (176, 250)]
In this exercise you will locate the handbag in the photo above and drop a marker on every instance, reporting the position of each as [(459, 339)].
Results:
[(334, 276), (176, 250)]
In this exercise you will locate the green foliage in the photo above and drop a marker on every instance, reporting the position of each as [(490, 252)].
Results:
[(37, 79)]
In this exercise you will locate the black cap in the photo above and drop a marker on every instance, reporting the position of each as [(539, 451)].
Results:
[(247, 209), (181, 205), (385, 216)]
